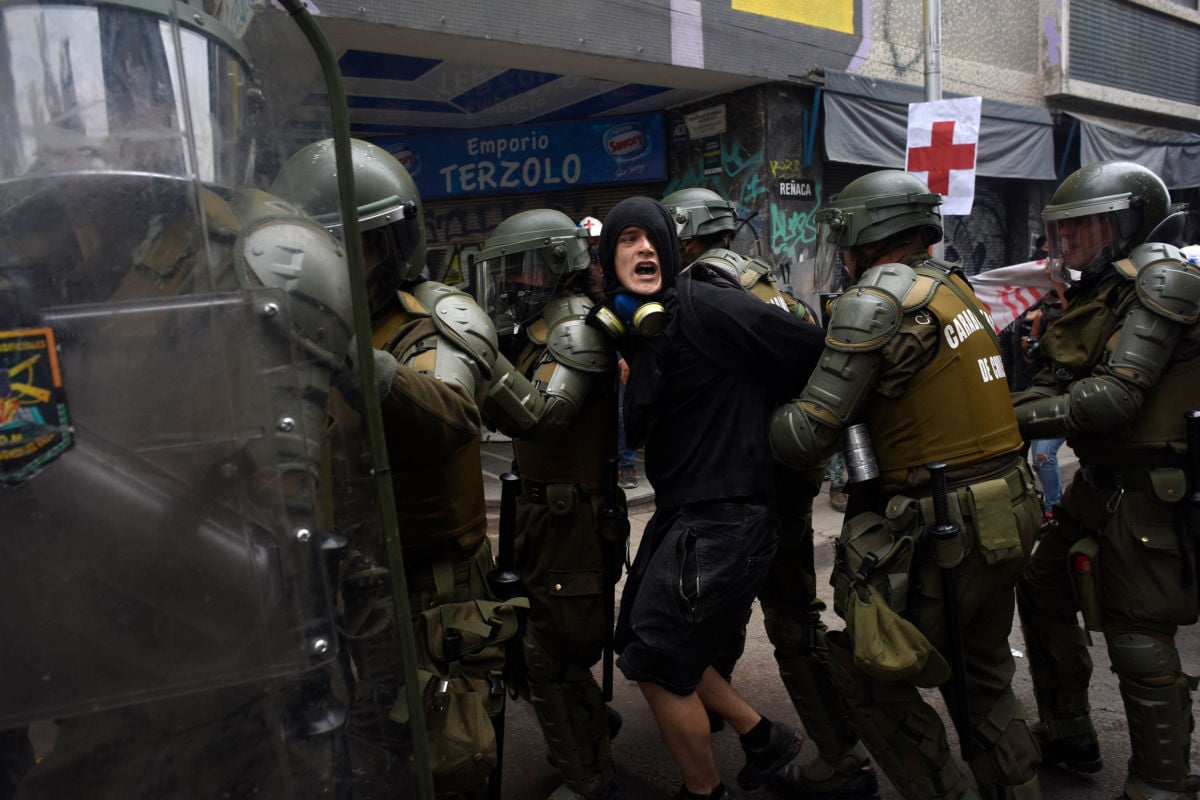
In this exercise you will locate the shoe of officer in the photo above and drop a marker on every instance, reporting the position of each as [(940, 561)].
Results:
[(1076, 753), (782, 745), (860, 785)]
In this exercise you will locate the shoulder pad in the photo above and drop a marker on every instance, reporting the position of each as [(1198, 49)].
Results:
[(1166, 283), (864, 318), (298, 256), (721, 261), (753, 271), (571, 340), (459, 319), (894, 279)]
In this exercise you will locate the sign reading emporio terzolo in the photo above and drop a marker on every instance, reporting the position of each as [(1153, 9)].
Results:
[(534, 158)]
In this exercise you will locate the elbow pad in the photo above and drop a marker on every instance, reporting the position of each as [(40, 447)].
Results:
[(809, 428), (1102, 403), (798, 440), (513, 403)]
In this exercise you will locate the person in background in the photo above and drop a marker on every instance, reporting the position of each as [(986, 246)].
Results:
[(1043, 452), (1039, 248)]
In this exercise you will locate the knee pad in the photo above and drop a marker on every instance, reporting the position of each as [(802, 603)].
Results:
[(1158, 710)]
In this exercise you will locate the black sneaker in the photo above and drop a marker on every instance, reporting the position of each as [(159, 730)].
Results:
[(763, 762), (1079, 754), (862, 785)]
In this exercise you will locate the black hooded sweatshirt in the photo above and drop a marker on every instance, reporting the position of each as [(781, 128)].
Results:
[(700, 395)]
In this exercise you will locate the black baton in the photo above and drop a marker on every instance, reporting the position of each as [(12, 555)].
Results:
[(505, 584), (610, 513), (945, 530)]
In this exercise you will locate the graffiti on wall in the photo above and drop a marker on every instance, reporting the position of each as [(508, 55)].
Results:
[(982, 241)]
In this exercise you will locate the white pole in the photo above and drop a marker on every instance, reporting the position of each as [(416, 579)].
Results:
[(933, 69)]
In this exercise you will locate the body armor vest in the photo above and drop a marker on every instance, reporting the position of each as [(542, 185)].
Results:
[(914, 430), (1077, 342), (439, 496), (577, 455)]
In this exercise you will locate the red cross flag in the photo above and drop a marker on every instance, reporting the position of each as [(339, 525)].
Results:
[(943, 137)]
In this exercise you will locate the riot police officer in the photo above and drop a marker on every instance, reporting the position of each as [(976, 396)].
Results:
[(442, 373), (1119, 374), (791, 610), (532, 274), (907, 336), (172, 335)]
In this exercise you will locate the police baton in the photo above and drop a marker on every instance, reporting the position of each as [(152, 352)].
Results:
[(1190, 514), (947, 547), (505, 584), (610, 516)]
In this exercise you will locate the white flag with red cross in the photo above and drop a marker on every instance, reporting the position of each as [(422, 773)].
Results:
[(943, 140)]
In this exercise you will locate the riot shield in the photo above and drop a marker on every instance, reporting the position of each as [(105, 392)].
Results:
[(183, 452)]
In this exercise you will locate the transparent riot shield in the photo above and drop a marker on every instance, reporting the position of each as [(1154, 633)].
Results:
[(183, 453)]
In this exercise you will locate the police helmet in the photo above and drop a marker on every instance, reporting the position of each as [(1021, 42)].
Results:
[(525, 262), (1100, 213), (700, 212), (389, 208)]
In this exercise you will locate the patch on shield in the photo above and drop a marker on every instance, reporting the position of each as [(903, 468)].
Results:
[(34, 429)]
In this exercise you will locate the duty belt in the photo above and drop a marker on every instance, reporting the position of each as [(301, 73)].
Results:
[(1112, 479)]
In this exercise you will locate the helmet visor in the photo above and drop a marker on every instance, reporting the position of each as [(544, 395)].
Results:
[(1083, 244), (515, 287), (827, 271)]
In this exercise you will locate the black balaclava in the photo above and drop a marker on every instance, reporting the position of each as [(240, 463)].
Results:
[(648, 214)]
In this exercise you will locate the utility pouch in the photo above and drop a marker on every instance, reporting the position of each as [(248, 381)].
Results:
[(1168, 484), (870, 550), (460, 664), (1084, 561), (888, 647), (561, 498), (990, 505)]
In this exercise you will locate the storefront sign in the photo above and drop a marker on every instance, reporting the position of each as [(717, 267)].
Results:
[(534, 158)]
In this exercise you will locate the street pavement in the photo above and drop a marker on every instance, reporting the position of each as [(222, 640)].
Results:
[(644, 766)]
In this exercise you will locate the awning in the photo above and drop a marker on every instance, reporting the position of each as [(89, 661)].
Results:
[(1171, 154), (866, 122)]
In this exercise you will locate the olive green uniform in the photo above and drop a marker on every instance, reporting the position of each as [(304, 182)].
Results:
[(432, 432), (900, 343), (1123, 509), (567, 554)]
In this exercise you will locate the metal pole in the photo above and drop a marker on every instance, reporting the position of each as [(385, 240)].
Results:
[(933, 70)]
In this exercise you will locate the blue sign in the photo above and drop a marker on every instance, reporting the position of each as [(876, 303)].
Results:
[(534, 158)]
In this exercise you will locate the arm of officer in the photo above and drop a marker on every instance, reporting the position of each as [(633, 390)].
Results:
[(1168, 300), (577, 358), (809, 428)]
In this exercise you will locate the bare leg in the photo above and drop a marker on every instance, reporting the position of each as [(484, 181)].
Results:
[(722, 699), (684, 728)]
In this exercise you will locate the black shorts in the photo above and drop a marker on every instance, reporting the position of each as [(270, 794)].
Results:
[(697, 571)]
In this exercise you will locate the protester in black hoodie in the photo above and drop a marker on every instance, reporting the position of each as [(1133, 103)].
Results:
[(699, 397)]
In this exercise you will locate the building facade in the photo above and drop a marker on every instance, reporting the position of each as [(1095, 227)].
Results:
[(501, 105)]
